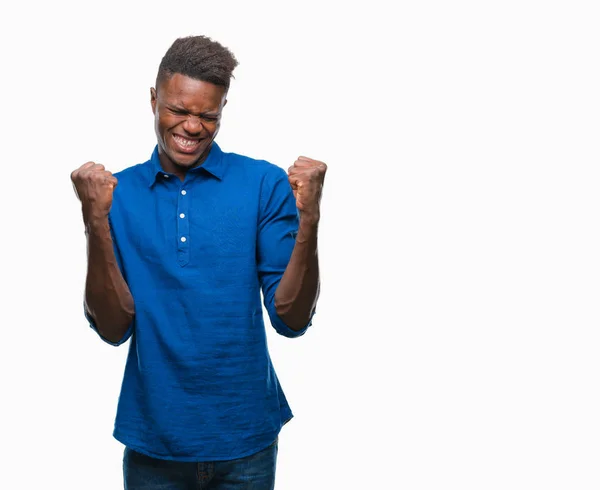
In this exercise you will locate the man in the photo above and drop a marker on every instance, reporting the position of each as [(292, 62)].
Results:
[(178, 254)]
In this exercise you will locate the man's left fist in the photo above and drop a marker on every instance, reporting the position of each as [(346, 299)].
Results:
[(306, 177)]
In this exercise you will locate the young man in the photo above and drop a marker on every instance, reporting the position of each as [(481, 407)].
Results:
[(178, 254)]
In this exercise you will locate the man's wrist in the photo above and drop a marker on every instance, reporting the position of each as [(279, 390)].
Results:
[(97, 226), (310, 220), (307, 231)]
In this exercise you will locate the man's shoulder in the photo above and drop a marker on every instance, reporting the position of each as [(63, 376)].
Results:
[(132, 181), (248, 164), (132, 170), (133, 174)]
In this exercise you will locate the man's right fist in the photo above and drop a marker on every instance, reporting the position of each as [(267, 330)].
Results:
[(94, 187)]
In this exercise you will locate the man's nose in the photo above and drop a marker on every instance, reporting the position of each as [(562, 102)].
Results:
[(193, 124)]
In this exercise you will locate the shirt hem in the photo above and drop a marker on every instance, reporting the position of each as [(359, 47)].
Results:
[(198, 458)]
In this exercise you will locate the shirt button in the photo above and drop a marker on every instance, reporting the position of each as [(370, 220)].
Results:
[(182, 215), (183, 239), (183, 193), (165, 176)]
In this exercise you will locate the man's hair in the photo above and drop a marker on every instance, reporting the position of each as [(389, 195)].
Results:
[(198, 57)]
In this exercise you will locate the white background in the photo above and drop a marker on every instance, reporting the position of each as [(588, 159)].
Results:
[(456, 344)]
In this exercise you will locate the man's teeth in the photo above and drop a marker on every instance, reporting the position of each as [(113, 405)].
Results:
[(185, 141)]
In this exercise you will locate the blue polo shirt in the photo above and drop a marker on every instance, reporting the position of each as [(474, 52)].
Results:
[(199, 384)]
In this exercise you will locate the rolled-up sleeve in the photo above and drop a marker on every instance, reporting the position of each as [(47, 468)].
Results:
[(277, 230)]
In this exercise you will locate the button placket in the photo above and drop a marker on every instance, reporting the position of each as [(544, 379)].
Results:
[(183, 228)]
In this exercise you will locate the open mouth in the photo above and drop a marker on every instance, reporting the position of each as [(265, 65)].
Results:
[(186, 145)]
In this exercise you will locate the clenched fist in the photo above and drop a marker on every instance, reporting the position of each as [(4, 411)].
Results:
[(306, 177), (94, 186)]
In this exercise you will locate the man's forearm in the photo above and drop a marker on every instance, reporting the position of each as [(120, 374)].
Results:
[(107, 296), (298, 291)]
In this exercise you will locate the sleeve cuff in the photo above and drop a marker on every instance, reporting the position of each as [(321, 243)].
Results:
[(282, 329), (95, 329)]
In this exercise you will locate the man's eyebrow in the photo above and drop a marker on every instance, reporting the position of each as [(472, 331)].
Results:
[(177, 108)]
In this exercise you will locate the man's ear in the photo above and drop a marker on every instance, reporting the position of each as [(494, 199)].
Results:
[(153, 99)]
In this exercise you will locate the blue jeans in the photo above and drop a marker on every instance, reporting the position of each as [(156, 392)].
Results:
[(254, 472)]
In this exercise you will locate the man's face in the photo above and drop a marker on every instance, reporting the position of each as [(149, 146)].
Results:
[(187, 117)]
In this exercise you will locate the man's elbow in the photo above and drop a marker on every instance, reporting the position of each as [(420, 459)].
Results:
[(114, 330), (296, 322)]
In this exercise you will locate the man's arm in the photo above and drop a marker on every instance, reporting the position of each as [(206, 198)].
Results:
[(107, 297), (108, 301), (297, 293)]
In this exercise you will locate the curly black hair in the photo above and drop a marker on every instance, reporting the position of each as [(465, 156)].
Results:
[(198, 57)]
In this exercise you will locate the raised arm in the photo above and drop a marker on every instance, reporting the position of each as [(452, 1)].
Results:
[(108, 301), (297, 293)]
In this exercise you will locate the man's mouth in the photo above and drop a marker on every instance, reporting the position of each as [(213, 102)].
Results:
[(186, 145)]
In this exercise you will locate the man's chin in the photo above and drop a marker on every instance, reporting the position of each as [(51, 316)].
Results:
[(188, 160), (185, 160)]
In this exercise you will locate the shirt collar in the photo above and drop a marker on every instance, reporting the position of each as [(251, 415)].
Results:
[(213, 164)]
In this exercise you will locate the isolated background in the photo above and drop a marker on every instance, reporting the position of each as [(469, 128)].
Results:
[(456, 341)]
